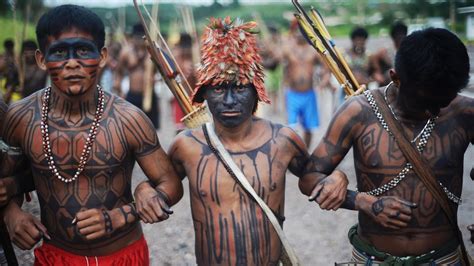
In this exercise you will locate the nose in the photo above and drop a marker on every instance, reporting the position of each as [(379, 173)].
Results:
[(229, 98), (72, 63)]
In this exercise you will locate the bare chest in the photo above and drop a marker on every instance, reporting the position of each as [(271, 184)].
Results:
[(374, 148), (264, 168)]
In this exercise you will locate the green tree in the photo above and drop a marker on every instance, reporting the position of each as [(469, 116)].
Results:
[(4, 7)]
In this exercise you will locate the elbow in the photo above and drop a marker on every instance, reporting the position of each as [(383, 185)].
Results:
[(304, 186), (178, 193)]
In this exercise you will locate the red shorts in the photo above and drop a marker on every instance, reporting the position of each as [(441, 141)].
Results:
[(134, 254)]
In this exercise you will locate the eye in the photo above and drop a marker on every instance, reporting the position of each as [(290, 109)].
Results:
[(239, 89), (60, 52), (83, 51)]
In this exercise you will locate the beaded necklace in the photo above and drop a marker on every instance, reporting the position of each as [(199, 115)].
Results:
[(89, 141), (423, 136)]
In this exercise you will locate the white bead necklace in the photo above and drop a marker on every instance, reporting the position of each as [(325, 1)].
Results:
[(89, 141)]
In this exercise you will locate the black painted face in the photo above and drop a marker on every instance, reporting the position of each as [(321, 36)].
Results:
[(72, 48), (230, 104)]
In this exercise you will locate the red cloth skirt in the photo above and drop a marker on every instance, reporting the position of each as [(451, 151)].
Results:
[(134, 254)]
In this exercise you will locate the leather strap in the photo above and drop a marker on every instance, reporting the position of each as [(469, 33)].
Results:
[(223, 155), (421, 167)]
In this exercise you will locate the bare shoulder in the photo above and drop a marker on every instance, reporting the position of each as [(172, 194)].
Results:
[(122, 109), (355, 107), (284, 136), (463, 104), (187, 143), (137, 128), (19, 116)]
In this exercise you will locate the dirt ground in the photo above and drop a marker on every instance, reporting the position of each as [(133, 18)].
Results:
[(319, 237)]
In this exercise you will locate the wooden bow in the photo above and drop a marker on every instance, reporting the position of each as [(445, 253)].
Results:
[(169, 69), (313, 28)]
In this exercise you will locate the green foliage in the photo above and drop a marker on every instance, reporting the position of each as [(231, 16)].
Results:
[(7, 31), (4, 6)]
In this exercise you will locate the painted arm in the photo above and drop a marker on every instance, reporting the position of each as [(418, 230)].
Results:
[(331, 189), (320, 177), (24, 229), (166, 187), (15, 173), (154, 205), (390, 212), (145, 192)]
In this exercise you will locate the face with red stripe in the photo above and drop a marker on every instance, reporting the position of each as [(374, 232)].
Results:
[(73, 61)]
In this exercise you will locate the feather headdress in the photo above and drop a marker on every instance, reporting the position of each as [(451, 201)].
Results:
[(230, 55)]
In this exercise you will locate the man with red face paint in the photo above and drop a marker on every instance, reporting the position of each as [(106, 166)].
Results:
[(82, 144), (229, 225)]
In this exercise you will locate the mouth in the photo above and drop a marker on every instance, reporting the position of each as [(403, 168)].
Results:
[(230, 113), (74, 78)]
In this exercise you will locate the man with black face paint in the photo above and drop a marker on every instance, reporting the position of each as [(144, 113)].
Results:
[(230, 227), (400, 221), (82, 144)]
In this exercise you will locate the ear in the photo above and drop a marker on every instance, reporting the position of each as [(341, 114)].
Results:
[(103, 57), (40, 60), (394, 77)]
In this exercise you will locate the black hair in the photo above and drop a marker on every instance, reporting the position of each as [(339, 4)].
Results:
[(398, 29), (273, 29), (359, 32), (185, 40), (138, 30), (433, 59), (8, 44), (28, 45), (66, 17)]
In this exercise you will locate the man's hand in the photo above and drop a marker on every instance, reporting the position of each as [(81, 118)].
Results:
[(330, 191), (390, 212), (24, 229), (151, 204), (96, 223)]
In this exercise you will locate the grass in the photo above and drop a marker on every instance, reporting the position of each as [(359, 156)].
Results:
[(7, 31)]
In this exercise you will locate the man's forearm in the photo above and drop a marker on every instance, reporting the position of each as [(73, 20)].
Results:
[(358, 201), (309, 181), (14, 204), (127, 214), (161, 189), (350, 201), (11, 159)]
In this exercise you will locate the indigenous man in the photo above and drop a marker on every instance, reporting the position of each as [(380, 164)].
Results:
[(34, 77), (270, 48), (300, 94), (383, 60), (132, 60), (4, 240), (406, 221), (10, 72), (82, 144), (230, 228), (357, 56), (183, 53)]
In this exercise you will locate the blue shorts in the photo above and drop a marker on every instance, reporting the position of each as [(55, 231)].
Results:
[(302, 107)]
